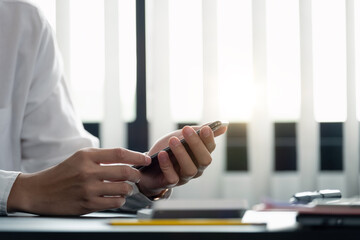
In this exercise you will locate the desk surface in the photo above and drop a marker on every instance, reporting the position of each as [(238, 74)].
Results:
[(95, 226)]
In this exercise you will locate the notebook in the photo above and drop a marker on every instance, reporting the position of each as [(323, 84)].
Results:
[(171, 209)]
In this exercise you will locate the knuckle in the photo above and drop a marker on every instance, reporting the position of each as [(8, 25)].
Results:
[(120, 153), (130, 173), (212, 147), (189, 173), (86, 205), (126, 171), (166, 166), (85, 151), (80, 155), (128, 189), (195, 140), (192, 172), (87, 192), (85, 173), (174, 180), (89, 149), (207, 161), (185, 133)]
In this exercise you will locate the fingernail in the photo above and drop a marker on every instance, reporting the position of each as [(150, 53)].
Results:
[(174, 142), (147, 159), (206, 132), (188, 131)]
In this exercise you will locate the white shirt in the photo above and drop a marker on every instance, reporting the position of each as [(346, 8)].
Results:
[(38, 125)]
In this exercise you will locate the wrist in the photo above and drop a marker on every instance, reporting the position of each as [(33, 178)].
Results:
[(19, 199)]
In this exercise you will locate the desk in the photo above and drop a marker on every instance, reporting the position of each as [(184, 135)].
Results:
[(97, 227)]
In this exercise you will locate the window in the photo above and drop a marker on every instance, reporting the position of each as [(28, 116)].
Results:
[(236, 93), (93, 128), (285, 147), (283, 59), (283, 73), (186, 78), (127, 58), (329, 58), (87, 73), (237, 155), (357, 53), (331, 146)]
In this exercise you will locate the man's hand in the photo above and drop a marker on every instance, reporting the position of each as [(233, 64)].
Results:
[(188, 165), (83, 183)]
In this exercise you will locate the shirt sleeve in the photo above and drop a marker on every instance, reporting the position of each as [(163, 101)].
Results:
[(51, 130), (7, 179)]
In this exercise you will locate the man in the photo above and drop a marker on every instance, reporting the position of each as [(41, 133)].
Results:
[(49, 163)]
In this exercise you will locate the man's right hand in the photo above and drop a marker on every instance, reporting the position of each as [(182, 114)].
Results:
[(81, 184)]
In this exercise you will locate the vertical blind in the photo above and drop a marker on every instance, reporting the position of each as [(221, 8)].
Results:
[(186, 60), (254, 62), (329, 60), (356, 33), (235, 59), (283, 59)]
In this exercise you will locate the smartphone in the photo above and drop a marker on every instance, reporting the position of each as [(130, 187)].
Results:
[(154, 158)]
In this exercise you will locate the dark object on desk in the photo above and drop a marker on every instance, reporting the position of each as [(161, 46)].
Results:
[(330, 220), (170, 209), (210, 213), (343, 212), (307, 197)]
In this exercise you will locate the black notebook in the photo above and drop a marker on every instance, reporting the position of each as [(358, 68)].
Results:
[(343, 212), (168, 209)]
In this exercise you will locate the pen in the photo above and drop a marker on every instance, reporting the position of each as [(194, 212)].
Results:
[(127, 222)]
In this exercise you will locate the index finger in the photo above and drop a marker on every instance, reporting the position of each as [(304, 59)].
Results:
[(119, 155)]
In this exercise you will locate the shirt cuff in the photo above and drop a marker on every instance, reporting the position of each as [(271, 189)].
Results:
[(7, 179)]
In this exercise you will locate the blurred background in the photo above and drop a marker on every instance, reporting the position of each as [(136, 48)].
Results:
[(284, 73)]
